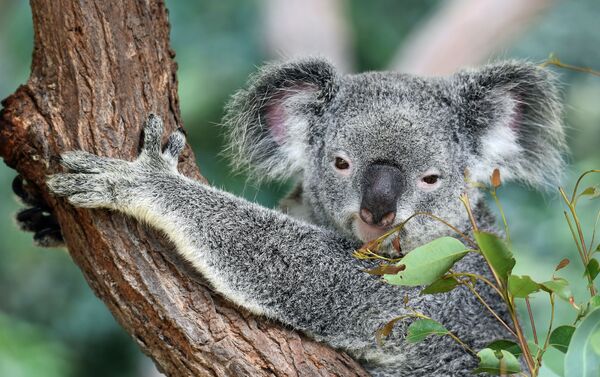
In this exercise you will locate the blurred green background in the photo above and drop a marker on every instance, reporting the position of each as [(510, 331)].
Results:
[(50, 322)]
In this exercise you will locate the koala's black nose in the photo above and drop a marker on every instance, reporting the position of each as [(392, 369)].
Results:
[(382, 186)]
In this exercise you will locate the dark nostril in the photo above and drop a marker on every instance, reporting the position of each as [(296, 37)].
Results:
[(387, 219), (366, 216)]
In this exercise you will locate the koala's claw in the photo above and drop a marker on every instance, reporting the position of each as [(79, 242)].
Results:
[(37, 218), (96, 181)]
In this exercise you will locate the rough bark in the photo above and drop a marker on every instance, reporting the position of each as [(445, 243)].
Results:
[(99, 67)]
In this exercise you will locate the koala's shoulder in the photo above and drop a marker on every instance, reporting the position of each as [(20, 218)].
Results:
[(293, 204)]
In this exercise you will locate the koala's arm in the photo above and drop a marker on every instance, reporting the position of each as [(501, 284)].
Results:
[(267, 262)]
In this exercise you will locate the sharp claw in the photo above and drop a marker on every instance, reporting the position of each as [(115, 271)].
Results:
[(18, 187), (49, 237)]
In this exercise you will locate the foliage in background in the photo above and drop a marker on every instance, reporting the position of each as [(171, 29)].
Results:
[(45, 304)]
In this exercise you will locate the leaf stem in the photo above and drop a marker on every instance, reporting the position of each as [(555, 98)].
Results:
[(472, 289), (499, 206), (521, 338), (480, 277), (464, 198), (553, 60), (531, 321), (547, 341)]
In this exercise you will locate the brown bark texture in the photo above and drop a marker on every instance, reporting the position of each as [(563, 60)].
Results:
[(99, 67)]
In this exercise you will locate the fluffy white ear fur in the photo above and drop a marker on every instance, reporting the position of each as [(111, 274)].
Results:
[(500, 144), (269, 122), (520, 127), (289, 127)]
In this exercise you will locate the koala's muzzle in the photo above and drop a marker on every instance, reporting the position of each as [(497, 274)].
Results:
[(382, 186)]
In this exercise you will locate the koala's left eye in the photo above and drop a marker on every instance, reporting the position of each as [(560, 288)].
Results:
[(430, 179), (341, 164)]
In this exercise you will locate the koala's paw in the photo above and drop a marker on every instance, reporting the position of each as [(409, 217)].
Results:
[(102, 182), (37, 217)]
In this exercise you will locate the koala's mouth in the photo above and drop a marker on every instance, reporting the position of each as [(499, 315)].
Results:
[(366, 232)]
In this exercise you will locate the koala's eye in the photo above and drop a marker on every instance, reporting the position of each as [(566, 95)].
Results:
[(430, 179), (341, 164)]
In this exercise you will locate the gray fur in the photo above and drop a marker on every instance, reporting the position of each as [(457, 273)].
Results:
[(300, 271)]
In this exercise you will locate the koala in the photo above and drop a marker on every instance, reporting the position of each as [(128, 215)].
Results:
[(367, 151)]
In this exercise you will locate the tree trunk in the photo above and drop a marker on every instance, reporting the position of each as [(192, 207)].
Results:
[(99, 67)]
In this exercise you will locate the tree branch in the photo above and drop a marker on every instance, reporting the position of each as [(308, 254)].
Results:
[(98, 69)]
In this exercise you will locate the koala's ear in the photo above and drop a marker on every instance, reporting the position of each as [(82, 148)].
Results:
[(512, 119), (270, 121)]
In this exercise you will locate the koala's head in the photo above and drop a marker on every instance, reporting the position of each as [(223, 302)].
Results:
[(372, 149)]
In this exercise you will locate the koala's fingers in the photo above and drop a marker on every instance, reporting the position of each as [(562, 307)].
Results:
[(90, 199), (27, 197), (84, 162), (153, 130), (35, 219), (49, 237), (174, 147), (67, 184)]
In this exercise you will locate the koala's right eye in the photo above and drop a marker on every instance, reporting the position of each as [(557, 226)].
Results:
[(341, 164)]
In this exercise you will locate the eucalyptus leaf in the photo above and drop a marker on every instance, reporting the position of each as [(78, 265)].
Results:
[(442, 285), (507, 345), (429, 262), (497, 254), (422, 328), (595, 342), (522, 286), (561, 337), (558, 286), (594, 302), (582, 360), (592, 192), (497, 362), (592, 268)]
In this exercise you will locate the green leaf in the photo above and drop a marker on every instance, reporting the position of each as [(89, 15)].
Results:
[(561, 336), (595, 342), (497, 254), (592, 268), (581, 359), (559, 286), (422, 328), (522, 286), (429, 262), (594, 302), (592, 191), (497, 362), (442, 285), (506, 345)]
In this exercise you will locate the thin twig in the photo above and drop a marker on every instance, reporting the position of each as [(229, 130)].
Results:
[(472, 289), (531, 321), (547, 341), (553, 60)]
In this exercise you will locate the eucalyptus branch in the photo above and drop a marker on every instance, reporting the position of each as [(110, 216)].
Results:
[(499, 206), (479, 277), (531, 320), (591, 248), (547, 340), (489, 308), (553, 60)]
